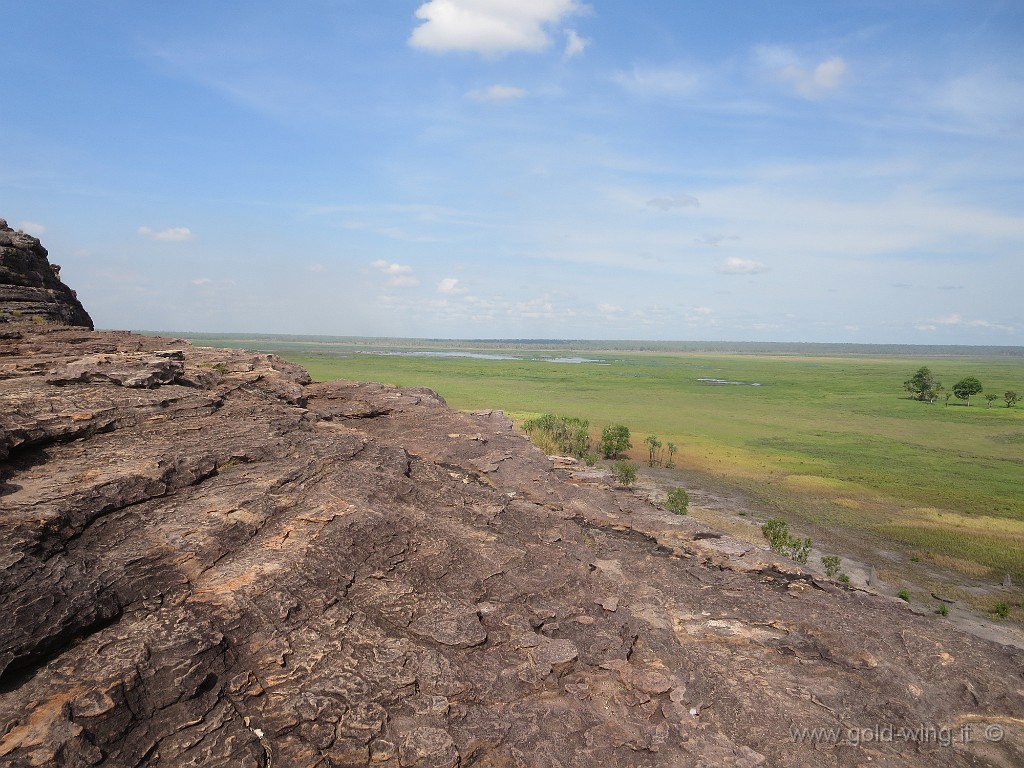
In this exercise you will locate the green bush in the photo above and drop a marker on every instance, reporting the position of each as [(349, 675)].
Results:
[(565, 435), (1002, 610), (776, 531), (942, 610), (831, 563), (624, 473), (903, 595), (844, 579), (615, 440), (678, 501)]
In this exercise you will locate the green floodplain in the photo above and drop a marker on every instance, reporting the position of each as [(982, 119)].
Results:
[(823, 435)]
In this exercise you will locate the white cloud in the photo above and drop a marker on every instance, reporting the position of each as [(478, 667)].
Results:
[(670, 203), (398, 274), (171, 235), (574, 44), (450, 285), (702, 311), (202, 281), (658, 81), (610, 309), (497, 93), (31, 228), (489, 27), (809, 82), (737, 266), (959, 320)]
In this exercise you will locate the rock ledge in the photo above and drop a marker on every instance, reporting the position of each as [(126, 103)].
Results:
[(209, 560)]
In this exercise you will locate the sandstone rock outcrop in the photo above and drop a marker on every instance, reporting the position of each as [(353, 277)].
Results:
[(208, 560), (30, 286)]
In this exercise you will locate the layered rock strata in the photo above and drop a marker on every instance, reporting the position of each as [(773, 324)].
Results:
[(30, 286), (208, 560)]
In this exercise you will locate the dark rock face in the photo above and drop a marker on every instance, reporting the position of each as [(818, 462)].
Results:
[(30, 286), (207, 560)]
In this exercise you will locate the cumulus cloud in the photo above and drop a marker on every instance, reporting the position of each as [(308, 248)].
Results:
[(658, 81), (398, 274), (810, 81), (672, 203), (31, 228), (497, 93), (737, 266), (489, 27), (170, 235), (450, 285), (574, 44)]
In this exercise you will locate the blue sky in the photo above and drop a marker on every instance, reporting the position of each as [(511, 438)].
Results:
[(791, 171)]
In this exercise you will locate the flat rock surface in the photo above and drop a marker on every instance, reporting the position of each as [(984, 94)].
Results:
[(207, 560)]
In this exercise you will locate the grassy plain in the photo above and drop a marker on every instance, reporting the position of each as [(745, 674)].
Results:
[(830, 441)]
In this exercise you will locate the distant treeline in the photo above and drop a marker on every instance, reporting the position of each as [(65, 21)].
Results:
[(341, 344)]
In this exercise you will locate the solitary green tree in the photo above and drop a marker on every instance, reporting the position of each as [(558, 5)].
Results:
[(1011, 398), (671, 452), (615, 440), (967, 387), (923, 385), (990, 398)]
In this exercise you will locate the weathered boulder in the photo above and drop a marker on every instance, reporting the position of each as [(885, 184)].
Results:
[(30, 286), (208, 560)]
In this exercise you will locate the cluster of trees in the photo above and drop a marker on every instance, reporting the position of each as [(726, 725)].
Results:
[(925, 387), (570, 436), (656, 452)]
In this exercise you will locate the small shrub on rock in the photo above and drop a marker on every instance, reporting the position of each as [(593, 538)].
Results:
[(678, 501), (776, 531), (624, 473), (831, 563)]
